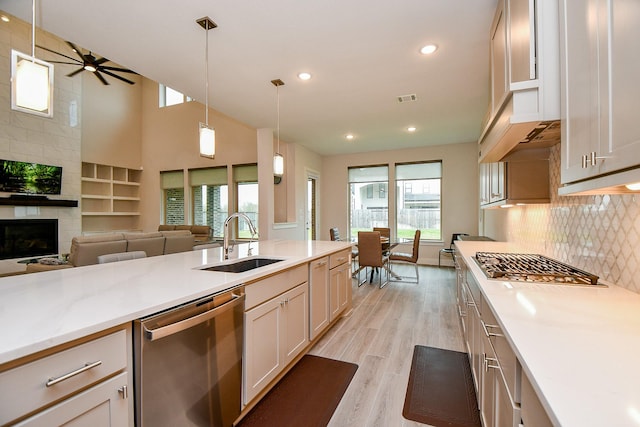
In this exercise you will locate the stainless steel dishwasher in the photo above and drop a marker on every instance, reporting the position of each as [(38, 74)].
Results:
[(188, 363)]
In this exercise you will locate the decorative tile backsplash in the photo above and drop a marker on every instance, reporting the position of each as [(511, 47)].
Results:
[(599, 234)]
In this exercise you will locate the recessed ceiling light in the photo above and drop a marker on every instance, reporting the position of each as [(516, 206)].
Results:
[(349, 136), (428, 49), (304, 76), (411, 129), (5, 18)]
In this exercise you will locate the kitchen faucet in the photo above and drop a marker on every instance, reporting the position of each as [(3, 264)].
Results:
[(225, 239)]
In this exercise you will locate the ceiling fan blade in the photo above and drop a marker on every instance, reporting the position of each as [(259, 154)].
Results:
[(122, 70), (61, 62), (77, 51), (79, 70), (58, 53), (102, 79), (117, 77)]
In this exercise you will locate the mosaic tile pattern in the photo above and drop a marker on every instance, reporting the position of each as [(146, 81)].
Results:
[(599, 234)]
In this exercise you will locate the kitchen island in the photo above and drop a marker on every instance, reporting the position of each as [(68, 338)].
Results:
[(578, 346), (66, 338)]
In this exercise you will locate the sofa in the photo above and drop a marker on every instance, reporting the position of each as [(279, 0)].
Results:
[(201, 233), (85, 250)]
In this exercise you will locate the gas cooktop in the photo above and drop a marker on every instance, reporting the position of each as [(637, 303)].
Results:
[(531, 268)]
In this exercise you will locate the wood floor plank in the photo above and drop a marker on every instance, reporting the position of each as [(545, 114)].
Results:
[(380, 335)]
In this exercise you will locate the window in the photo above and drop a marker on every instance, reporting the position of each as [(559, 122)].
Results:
[(418, 190), (246, 182), (210, 196), (173, 197), (365, 210), (168, 96)]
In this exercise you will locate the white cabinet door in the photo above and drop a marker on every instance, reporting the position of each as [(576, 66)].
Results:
[(600, 130), (318, 296), (340, 288), (522, 52), (104, 405), (295, 331), (263, 360), (275, 333), (499, 78)]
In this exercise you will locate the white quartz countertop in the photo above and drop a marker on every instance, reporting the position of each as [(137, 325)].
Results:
[(579, 345), (42, 310)]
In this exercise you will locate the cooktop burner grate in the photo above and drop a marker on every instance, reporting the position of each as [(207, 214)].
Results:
[(531, 268)]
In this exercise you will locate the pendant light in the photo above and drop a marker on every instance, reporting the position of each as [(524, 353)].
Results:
[(207, 134), (31, 79), (278, 160)]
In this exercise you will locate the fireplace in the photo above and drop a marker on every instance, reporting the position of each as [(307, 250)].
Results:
[(23, 238)]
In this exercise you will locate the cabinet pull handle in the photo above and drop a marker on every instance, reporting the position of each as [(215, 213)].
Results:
[(342, 259), (124, 392), (321, 264), (591, 159), (486, 328), (86, 367), (488, 363), (461, 313)]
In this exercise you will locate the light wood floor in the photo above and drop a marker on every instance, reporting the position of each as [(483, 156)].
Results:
[(380, 335)]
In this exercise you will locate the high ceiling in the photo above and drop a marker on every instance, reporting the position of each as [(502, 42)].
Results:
[(362, 56)]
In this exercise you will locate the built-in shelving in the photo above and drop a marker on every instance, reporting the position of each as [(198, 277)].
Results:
[(109, 191)]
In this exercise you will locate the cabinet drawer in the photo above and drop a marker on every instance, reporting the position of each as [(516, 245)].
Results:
[(265, 289), (507, 359), (533, 413), (339, 258), (32, 378)]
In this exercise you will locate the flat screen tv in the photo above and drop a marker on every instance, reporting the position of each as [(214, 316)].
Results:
[(29, 178)]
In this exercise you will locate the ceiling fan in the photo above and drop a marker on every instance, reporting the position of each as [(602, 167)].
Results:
[(88, 62)]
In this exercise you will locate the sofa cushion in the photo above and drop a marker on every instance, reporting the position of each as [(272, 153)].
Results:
[(166, 227), (151, 243), (202, 232), (178, 242), (86, 249)]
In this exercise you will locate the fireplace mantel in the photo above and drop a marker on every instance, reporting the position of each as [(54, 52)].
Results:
[(37, 201)]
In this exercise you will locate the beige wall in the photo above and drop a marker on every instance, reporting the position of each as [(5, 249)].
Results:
[(111, 118), (170, 142), (599, 234), (459, 189)]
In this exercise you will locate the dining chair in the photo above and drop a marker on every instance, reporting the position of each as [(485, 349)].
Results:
[(334, 235), (370, 255), (450, 249), (405, 258), (384, 232)]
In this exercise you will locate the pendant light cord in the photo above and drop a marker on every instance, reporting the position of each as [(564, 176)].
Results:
[(278, 111), (33, 30), (206, 74)]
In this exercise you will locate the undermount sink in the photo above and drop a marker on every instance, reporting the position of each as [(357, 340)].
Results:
[(242, 265)]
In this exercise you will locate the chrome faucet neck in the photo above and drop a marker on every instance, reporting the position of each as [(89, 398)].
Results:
[(225, 240)]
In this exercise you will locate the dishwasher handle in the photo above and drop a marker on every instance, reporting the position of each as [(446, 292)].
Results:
[(173, 328)]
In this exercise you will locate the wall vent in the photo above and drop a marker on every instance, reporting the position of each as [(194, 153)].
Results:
[(407, 98)]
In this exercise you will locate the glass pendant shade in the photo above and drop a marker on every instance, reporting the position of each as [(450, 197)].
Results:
[(278, 165), (32, 83), (207, 141)]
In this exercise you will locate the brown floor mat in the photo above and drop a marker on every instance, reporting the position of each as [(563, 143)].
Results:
[(440, 390), (306, 396)]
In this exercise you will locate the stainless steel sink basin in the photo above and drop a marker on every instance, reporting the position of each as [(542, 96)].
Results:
[(242, 265)]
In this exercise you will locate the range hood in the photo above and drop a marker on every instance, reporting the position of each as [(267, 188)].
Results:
[(519, 125)]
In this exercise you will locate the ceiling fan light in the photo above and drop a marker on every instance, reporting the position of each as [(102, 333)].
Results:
[(90, 68), (207, 141)]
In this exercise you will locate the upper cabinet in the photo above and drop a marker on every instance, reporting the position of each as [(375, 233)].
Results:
[(525, 79), (600, 94)]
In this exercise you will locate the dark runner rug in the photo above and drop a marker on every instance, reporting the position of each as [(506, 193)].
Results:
[(306, 396), (440, 390)]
